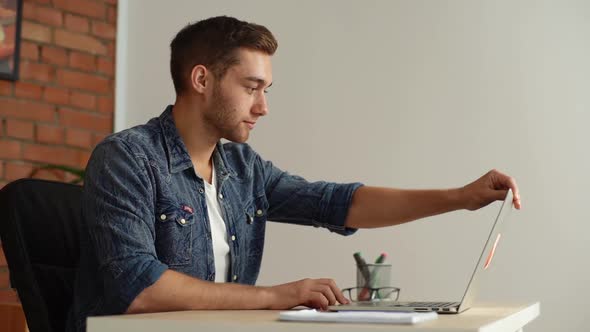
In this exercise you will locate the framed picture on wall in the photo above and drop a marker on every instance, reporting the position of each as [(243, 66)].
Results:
[(10, 25)]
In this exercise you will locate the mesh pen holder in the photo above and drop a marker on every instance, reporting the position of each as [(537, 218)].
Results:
[(373, 282)]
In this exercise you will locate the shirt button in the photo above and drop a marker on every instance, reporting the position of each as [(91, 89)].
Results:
[(258, 212), (235, 277), (183, 221), (201, 190), (163, 217), (233, 237), (220, 196)]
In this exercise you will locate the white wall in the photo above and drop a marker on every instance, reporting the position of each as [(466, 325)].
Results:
[(415, 94)]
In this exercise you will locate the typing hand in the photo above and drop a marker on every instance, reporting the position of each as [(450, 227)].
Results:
[(313, 293), (489, 188)]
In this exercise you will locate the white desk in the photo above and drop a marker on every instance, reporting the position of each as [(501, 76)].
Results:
[(482, 318)]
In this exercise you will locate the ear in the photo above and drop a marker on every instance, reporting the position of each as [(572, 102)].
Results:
[(200, 78)]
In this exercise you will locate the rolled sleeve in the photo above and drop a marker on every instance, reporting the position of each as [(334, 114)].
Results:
[(145, 272), (292, 199), (335, 208), (117, 207)]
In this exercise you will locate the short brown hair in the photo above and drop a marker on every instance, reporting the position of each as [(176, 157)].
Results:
[(213, 43)]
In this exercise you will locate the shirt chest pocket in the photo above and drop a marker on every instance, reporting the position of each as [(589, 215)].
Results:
[(174, 233), (254, 222)]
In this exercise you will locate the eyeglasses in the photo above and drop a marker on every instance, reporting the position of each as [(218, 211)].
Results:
[(372, 294)]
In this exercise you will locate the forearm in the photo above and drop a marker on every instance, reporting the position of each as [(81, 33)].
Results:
[(175, 291), (377, 207)]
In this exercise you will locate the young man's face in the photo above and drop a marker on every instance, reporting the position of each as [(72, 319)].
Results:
[(238, 99)]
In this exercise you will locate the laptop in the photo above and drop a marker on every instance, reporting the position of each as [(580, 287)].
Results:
[(445, 307)]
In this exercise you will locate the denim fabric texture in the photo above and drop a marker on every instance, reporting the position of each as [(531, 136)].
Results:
[(144, 211)]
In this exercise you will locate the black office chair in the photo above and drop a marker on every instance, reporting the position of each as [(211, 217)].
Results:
[(39, 230)]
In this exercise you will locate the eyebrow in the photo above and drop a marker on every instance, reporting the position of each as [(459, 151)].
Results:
[(258, 80)]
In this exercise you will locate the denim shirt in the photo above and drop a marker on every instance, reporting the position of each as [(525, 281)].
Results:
[(144, 211)]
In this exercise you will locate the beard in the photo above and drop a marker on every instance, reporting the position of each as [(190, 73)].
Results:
[(223, 117)]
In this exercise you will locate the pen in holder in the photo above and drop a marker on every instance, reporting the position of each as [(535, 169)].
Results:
[(370, 277)]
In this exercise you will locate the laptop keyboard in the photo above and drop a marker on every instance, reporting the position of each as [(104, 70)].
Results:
[(430, 304)]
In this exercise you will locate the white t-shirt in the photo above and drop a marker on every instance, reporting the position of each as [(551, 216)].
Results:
[(218, 231)]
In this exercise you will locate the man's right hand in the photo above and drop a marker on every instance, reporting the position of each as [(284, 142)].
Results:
[(312, 293)]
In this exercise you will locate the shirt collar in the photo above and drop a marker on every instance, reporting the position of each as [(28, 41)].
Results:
[(177, 154)]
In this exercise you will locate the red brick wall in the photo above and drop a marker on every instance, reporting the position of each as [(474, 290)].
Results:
[(62, 105)]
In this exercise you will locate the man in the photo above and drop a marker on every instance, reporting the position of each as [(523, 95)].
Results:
[(175, 220)]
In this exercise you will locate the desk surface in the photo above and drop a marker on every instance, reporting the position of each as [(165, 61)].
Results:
[(485, 318)]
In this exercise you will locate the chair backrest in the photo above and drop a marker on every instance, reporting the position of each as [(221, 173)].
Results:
[(39, 230)]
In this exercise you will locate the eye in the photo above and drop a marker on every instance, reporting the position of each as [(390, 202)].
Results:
[(250, 90)]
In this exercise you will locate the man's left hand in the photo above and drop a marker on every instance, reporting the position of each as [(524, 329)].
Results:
[(491, 187)]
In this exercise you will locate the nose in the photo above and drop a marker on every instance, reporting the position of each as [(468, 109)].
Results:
[(261, 106)]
